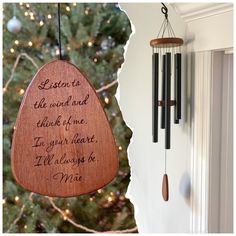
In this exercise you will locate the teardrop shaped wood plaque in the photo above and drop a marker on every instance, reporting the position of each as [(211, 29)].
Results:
[(62, 144), (165, 188)]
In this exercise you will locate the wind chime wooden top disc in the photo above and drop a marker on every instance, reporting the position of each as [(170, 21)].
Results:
[(63, 144), (166, 42)]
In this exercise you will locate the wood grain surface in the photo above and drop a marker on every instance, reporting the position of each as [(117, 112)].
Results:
[(165, 188), (63, 144), (166, 42)]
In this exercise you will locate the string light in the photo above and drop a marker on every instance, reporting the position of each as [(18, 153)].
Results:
[(21, 3), (74, 4), (57, 51), (86, 11), (111, 193), (49, 16), (90, 43), (99, 191), (30, 43), (32, 16), (110, 199), (77, 225), (68, 8), (22, 91), (90, 199), (4, 90), (95, 59), (120, 148), (41, 23), (67, 211), (17, 198), (26, 13), (3, 201), (25, 227), (27, 5), (14, 127), (12, 50), (68, 48), (16, 42), (106, 100)]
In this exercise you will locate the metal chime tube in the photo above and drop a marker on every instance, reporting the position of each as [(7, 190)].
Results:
[(155, 81), (177, 87), (167, 99), (163, 92)]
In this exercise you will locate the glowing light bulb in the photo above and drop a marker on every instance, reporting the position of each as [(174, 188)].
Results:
[(49, 16), (12, 50), (57, 51), (21, 3), (95, 59), (30, 43), (109, 199), (86, 11), (17, 198), (3, 201), (106, 100), (27, 5), (67, 211), (120, 148), (74, 4), (26, 13), (22, 91), (31, 13), (16, 42), (68, 8), (65, 218), (41, 23), (25, 227), (99, 191), (90, 43), (4, 90), (90, 199), (68, 48), (111, 193)]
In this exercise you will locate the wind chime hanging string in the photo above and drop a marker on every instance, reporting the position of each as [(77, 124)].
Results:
[(166, 51), (59, 28)]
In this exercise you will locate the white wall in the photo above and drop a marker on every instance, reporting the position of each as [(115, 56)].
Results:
[(206, 35), (146, 158), (211, 33)]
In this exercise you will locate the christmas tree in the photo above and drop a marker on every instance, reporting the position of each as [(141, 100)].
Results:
[(93, 38)]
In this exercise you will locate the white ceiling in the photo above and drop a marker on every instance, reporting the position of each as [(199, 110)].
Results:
[(194, 11)]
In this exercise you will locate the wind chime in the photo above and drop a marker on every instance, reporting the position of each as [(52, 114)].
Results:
[(166, 64)]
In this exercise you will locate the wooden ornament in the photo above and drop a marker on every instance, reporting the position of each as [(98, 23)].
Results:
[(165, 188), (63, 144)]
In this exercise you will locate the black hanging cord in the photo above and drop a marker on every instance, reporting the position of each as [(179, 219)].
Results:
[(164, 10), (59, 28)]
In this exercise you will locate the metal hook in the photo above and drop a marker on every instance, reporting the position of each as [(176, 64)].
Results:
[(164, 10)]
